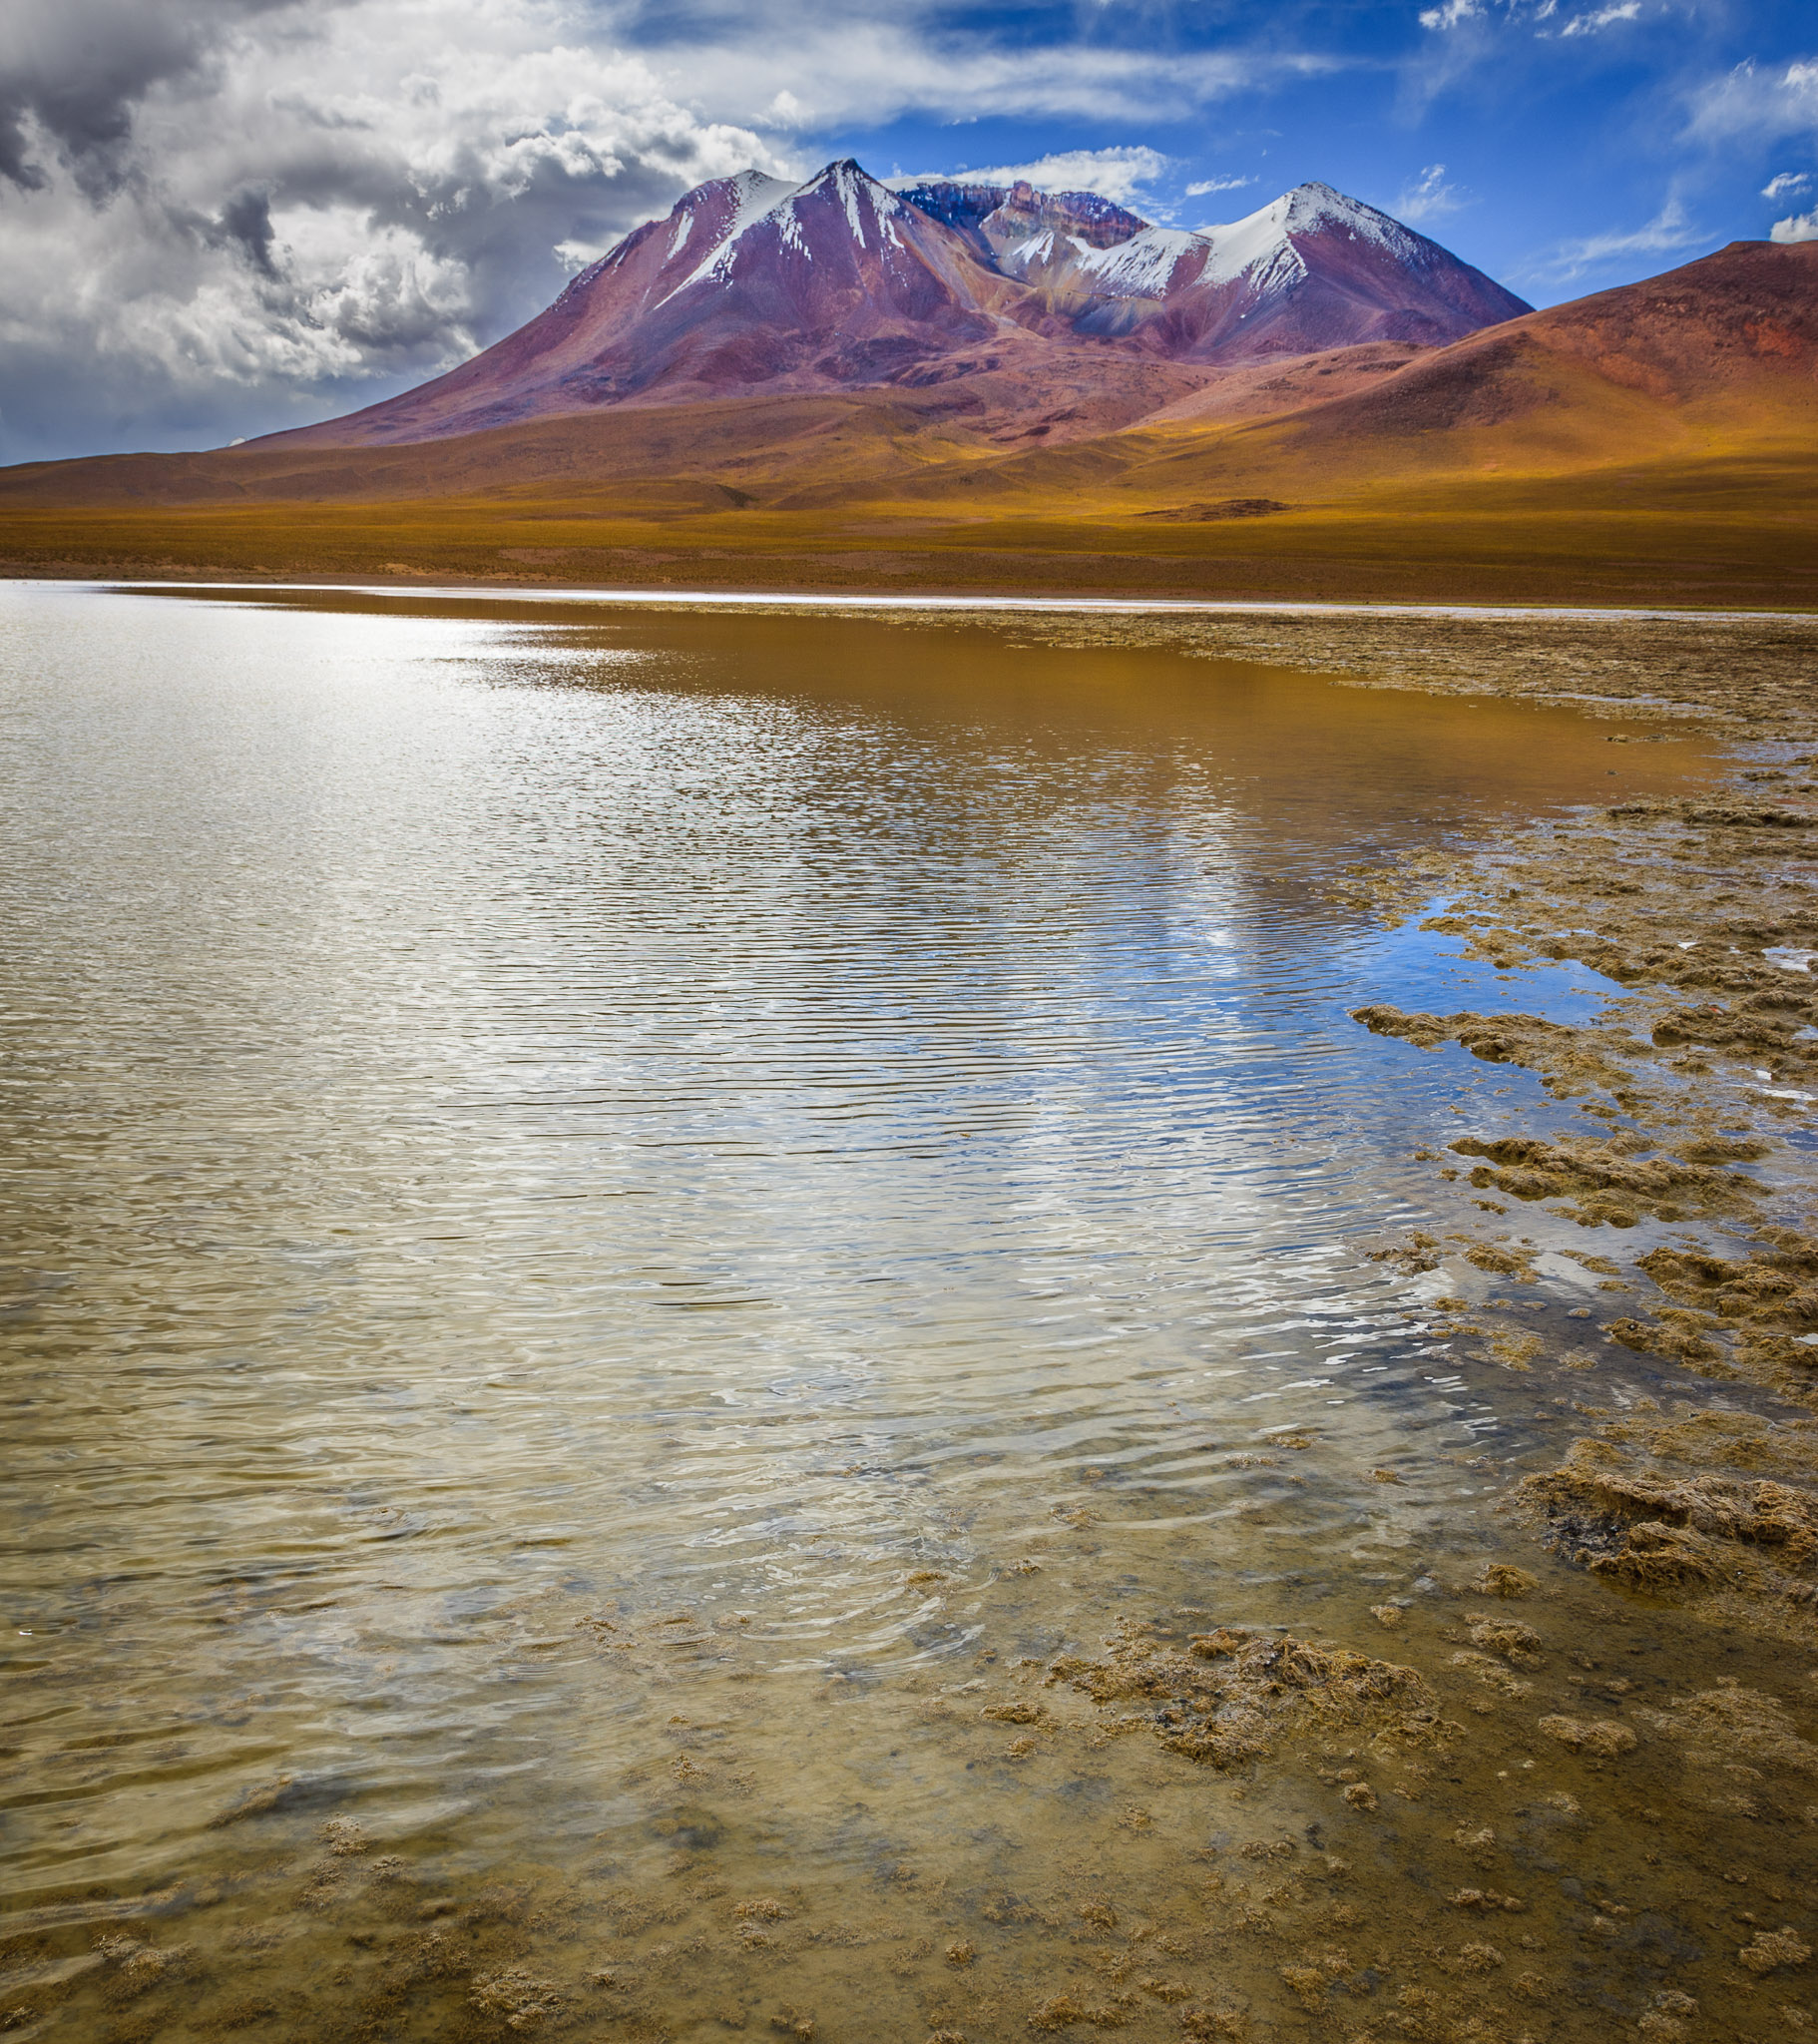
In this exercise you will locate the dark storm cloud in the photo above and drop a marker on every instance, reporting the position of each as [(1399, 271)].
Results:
[(221, 217), (72, 74)]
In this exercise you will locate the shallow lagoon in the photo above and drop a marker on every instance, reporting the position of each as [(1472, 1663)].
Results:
[(629, 1243)]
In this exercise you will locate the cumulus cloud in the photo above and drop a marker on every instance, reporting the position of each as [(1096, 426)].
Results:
[(257, 211), (221, 216), (1121, 174), (1800, 226), (1429, 196)]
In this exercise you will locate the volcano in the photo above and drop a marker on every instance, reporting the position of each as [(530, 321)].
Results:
[(753, 284)]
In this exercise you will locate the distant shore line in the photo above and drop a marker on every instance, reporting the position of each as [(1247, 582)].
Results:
[(813, 600)]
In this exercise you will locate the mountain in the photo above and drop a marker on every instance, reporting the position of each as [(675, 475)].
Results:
[(754, 285), (1695, 392), (751, 282), (1717, 360), (1313, 269), (1718, 352)]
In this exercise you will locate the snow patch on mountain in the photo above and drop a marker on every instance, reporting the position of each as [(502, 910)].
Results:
[(1259, 249), (1145, 265), (754, 194), (846, 184), (1315, 206)]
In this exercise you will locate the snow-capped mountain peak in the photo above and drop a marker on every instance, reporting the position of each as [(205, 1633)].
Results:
[(869, 208), (1315, 207), (1312, 268), (704, 233), (1156, 261)]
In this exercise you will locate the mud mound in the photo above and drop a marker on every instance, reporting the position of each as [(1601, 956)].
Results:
[(1775, 1289), (1234, 1692), (1731, 1722), (1227, 507), (1570, 1060), (1661, 1533), (1678, 1335), (1603, 1177), (1765, 1024)]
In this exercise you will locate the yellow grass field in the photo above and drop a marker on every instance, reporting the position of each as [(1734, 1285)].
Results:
[(1741, 533)]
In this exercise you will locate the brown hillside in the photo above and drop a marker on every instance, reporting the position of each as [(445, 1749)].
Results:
[(1733, 338)]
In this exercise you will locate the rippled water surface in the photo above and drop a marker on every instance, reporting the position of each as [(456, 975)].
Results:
[(613, 1229)]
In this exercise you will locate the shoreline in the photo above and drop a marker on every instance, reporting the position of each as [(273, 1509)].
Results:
[(930, 602)]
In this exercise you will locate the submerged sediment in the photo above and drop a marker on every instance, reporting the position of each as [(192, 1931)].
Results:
[(1701, 912)]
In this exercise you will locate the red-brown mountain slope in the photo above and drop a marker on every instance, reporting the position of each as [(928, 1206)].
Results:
[(1729, 342)]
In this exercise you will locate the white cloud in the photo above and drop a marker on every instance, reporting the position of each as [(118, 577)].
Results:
[(1757, 105), (854, 64), (1604, 17), (1115, 173), (1451, 14), (1802, 226), (254, 221), (1788, 185), (1210, 185), (1669, 230), (1429, 196)]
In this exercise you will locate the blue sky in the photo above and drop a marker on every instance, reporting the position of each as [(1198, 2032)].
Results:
[(222, 217), (1561, 147)]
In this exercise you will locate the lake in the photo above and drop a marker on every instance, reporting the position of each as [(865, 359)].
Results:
[(635, 1241)]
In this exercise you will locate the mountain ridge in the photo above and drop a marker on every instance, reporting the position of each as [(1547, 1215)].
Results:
[(844, 282)]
